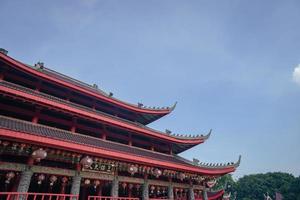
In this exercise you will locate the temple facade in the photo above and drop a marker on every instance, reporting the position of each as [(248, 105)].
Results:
[(61, 138)]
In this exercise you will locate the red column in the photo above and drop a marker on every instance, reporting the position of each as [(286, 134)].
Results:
[(130, 140), (74, 122), (104, 133), (36, 116), (38, 86), (1, 76), (94, 104)]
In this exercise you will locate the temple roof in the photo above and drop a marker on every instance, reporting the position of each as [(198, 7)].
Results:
[(146, 114), (183, 142), (44, 135)]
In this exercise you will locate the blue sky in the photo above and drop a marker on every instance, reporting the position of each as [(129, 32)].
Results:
[(229, 64)]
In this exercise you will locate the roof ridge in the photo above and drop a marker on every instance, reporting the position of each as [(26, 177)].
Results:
[(95, 88)]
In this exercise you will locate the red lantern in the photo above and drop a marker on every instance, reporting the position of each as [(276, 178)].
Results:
[(64, 179), (53, 179), (41, 177), (130, 186), (137, 186), (124, 185), (96, 182), (182, 176), (132, 170), (10, 175), (39, 154), (86, 162), (157, 173), (87, 181), (5, 143)]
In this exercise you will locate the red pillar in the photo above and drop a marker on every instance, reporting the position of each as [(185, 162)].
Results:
[(36, 116), (130, 140), (104, 133), (74, 122), (38, 86)]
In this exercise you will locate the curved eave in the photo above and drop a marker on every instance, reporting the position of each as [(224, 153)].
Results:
[(118, 155), (225, 167), (88, 90), (41, 100)]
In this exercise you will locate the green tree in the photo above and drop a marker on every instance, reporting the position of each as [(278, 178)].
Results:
[(254, 186)]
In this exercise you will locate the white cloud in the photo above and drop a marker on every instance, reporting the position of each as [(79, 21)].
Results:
[(296, 74)]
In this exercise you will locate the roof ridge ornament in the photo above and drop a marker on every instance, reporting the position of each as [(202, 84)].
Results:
[(39, 65), (173, 107), (208, 135), (3, 51), (168, 131), (238, 162)]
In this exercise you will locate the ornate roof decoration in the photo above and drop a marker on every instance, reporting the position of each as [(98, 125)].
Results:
[(3, 51)]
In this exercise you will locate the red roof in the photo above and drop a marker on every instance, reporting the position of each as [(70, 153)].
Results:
[(48, 136), (86, 89), (53, 102)]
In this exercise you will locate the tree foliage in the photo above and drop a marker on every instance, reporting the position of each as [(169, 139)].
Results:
[(253, 187)]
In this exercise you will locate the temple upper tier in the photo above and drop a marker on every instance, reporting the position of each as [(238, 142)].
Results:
[(90, 95), (62, 138), (23, 80)]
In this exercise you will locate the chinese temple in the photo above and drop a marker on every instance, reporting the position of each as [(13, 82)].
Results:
[(62, 139)]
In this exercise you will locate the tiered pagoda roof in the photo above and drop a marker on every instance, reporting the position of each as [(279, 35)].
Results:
[(135, 122), (144, 114)]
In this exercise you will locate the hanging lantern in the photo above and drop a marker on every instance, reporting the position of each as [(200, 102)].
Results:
[(41, 178), (86, 162), (132, 170), (124, 185), (158, 190), (137, 186), (152, 188), (87, 181), (5, 143), (14, 146), (157, 173), (182, 176), (39, 154), (211, 183), (64, 179), (9, 176), (52, 179), (130, 186), (96, 182), (22, 146)]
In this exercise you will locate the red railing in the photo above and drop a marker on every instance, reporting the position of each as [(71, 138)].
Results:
[(110, 198), (36, 196)]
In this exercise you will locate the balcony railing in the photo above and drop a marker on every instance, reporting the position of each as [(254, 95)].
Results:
[(110, 198), (36, 196)]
